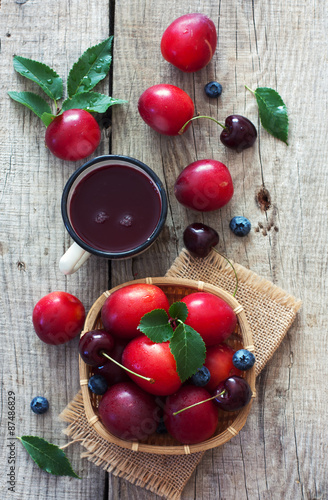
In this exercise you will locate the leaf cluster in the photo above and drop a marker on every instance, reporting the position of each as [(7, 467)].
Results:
[(186, 345), (92, 67)]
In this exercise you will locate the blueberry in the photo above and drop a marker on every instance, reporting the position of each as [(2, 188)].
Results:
[(161, 428), (98, 384), (39, 405), (201, 377), (243, 359), (240, 226), (213, 89)]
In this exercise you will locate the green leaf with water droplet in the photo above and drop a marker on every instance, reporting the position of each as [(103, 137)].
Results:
[(91, 101), (47, 456), (33, 102), (41, 74), (188, 349), (273, 112), (91, 68), (156, 326)]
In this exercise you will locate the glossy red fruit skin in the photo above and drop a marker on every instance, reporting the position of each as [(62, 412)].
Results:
[(219, 362), (199, 239), (165, 108), (233, 394), (189, 42), (195, 424), (124, 308), (73, 135), (210, 316), (93, 343), (58, 317), (111, 371), (239, 134), (204, 185), (128, 412), (152, 360)]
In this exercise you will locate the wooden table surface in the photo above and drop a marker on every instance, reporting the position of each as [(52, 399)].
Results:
[(281, 453)]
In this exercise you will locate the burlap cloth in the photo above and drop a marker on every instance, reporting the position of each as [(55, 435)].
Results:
[(270, 312)]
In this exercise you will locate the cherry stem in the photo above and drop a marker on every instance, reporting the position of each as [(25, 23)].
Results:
[(196, 118), (199, 403), (150, 380), (253, 92), (234, 270)]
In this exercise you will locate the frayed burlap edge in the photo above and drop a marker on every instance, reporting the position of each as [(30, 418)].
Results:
[(142, 469), (185, 266)]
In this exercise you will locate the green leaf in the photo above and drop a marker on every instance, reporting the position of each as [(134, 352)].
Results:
[(41, 74), (47, 118), (156, 326), (179, 310), (33, 102), (273, 112), (91, 101), (48, 456), (91, 68), (188, 349)]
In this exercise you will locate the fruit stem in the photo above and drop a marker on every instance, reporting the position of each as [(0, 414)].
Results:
[(199, 403), (200, 116), (253, 92), (150, 380), (234, 270)]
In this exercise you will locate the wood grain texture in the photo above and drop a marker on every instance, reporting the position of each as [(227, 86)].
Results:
[(33, 238), (280, 453)]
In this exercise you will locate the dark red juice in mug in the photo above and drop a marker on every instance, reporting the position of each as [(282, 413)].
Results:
[(115, 208)]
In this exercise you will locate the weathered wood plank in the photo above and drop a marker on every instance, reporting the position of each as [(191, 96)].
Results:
[(33, 238)]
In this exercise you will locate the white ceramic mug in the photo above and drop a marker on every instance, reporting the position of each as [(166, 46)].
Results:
[(82, 247)]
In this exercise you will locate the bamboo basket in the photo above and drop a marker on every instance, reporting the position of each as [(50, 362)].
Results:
[(230, 423)]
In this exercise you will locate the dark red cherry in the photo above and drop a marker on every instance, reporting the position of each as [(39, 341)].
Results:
[(92, 344), (187, 420), (95, 348), (199, 239), (239, 133), (233, 393), (111, 371), (128, 412)]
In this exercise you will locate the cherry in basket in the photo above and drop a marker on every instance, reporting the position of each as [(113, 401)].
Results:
[(153, 360), (219, 362), (195, 424), (210, 316), (97, 348), (124, 308), (129, 412)]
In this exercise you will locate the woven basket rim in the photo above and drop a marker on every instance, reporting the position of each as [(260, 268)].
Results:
[(217, 440)]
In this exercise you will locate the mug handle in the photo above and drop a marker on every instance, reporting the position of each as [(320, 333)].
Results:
[(73, 259)]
